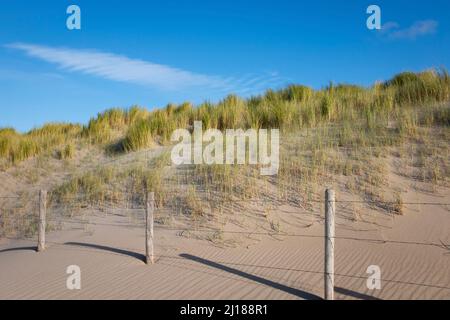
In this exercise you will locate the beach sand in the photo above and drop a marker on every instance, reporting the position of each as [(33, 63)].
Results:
[(411, 250)]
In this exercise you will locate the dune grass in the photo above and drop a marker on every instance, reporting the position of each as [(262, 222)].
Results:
[(16, 147), (298, 107), (292, 108), (113, 184), (342, 134)]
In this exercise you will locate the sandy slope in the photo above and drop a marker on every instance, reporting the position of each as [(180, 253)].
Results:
[(109, 252)]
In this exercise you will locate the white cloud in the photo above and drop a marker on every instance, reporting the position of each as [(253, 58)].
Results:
[(389, 26), (419, 28), (121, 68)]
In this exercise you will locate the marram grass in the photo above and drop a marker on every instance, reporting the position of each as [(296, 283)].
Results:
[(294, 107)]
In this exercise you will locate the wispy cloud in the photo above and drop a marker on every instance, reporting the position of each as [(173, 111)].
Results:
[(419, 28), (389, 26), (121, 68)]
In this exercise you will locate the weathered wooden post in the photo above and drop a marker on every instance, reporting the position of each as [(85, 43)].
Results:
[(42, 222), (329, 243), (149, 208)]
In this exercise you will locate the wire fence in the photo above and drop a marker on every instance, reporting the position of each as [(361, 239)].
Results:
[(173, 204), (246, 233), (57, 216), (82, 214), (263, 200)]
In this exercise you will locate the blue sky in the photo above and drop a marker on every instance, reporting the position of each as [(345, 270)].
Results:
[(151, 53)]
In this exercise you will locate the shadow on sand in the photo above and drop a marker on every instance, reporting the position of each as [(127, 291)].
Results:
[(110, 249), (19, 249), (354, 294), (270, 283)]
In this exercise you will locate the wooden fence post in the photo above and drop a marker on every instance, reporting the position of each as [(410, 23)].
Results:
[(329, 243), (42, 222), (149, 208)]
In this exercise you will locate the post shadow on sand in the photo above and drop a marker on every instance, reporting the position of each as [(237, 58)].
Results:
[(19, 249), (110, 249), (354, 294), (293, 291), (270, 283)]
